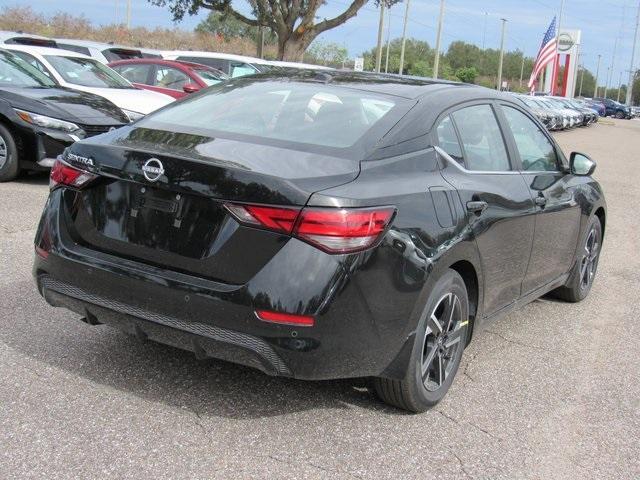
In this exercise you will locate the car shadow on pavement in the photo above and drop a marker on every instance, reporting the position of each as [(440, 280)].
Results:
[(160, 373), (33, 178)]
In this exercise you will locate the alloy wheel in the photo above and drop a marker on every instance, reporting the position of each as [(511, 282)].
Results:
[(589, 261), (443, 337), (3, 152)]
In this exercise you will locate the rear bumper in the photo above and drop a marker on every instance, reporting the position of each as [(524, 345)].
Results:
[(363, 319), (202, 339)]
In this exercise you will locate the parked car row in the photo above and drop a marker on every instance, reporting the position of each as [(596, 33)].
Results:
[(56, 91), (559, 113)]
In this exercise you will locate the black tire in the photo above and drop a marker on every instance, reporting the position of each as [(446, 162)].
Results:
[(412, 392), (9, 167), (620, 115), (584, 271)]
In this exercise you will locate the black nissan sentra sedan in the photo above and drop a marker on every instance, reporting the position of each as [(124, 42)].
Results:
[(322, 226), (38, 119)]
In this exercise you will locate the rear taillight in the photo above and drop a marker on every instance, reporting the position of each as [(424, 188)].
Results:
[(63, 174), (334, 230), (279, 219), (343, 230)]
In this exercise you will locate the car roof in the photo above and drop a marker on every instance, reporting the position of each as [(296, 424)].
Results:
[(407, 87), (91, 43), (162, 61), (225, 56), (58, 52), (280, 63), (8, 35)]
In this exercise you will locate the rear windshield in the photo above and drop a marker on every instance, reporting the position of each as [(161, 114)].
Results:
[(113, 54), (16, 72), (314, 114), (86, 72)]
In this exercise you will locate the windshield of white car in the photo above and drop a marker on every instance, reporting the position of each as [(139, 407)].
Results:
[(16, 72), (86, 72)]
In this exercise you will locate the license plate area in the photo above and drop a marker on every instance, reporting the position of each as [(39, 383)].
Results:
[(168, 203)]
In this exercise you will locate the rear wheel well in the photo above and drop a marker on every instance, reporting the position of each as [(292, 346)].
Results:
[(601, 216), (468, 273)]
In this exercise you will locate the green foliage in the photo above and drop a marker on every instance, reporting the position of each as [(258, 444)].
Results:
[(228, 27), (418, 57), (467, 74), (326, 53)]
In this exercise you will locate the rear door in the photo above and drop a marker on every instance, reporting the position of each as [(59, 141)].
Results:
[(499, 207), (557, 217)]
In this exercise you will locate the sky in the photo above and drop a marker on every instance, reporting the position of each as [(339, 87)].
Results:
[(607, 25)]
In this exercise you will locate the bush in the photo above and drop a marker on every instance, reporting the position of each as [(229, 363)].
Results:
[(467, 74)]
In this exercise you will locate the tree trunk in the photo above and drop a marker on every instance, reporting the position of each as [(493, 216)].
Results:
[(292, 49)]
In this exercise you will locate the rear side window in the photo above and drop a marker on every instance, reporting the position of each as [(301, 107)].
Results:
[(448, 140), (242, 69), (134, 73), (169, 77), (481, 139), (219, 63), (315, 114)]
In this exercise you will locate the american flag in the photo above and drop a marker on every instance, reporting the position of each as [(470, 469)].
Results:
[(546, 53)]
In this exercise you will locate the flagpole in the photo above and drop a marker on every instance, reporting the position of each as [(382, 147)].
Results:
[(556, 62)]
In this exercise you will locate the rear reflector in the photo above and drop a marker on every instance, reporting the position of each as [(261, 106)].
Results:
[(64, 174), (285, 318), (334, 230), (41, 252)]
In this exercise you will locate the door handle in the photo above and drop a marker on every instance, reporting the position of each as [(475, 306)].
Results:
[(477, 206), (541, 201)]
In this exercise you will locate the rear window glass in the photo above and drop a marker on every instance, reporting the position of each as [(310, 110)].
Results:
[(74, 48), (313, 114)]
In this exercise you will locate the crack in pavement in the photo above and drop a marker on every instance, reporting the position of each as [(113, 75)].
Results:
[(462, 423), (515, 342), (313, 465), (461, 463)]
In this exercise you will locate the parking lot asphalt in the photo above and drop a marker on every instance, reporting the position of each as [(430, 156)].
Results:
[(550, 391)]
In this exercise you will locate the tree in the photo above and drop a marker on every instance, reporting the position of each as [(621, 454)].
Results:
[(293, 22), (467, 74), (228, 27), (331, 54), (418, 57)]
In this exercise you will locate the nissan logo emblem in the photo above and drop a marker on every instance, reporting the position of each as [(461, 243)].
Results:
[(153, 169)]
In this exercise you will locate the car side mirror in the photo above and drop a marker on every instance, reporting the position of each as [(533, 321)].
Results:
[(581, 164), (190, 87)]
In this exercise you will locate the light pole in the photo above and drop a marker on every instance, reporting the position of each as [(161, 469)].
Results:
[(581, 80), (595, 90), (386, 62), (556, 61), (521, 70), (619, 87), (380, 30), (128, 14), (504, 28), (629, 98), (404, 36), (436, 63)]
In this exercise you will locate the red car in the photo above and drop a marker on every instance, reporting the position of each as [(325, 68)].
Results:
[(171, 77)]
